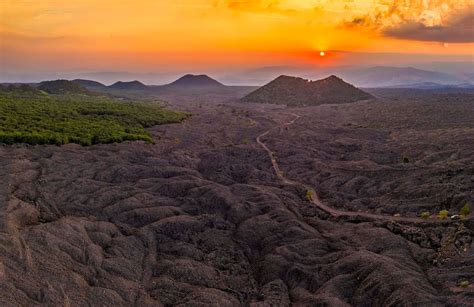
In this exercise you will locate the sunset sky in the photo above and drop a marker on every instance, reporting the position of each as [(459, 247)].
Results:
[(147, 36)]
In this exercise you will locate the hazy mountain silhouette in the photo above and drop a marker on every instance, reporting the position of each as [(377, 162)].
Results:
[(383, 76), (131, 85), (433, 86), (196, 81), (62, 87), (89, 83), (294, 91)]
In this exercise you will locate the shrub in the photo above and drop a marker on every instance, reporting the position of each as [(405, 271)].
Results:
[(443, 214), (37, 118), (463, 284), (406, 159), (425, 215), (465, 210), (309, 195)]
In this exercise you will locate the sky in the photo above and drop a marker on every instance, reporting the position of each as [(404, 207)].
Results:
[(153, 37)]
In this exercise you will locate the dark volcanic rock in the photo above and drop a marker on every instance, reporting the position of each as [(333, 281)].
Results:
[(200, 219), (293, 91)]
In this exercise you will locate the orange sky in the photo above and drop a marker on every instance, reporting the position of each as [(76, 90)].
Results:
[(147, 35)]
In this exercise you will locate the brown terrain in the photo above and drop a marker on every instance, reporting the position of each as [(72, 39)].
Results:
[(248, 204)]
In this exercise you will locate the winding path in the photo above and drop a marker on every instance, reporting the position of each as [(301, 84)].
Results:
[(313, 196)]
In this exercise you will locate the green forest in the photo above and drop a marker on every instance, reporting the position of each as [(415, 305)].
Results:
[(35, 117)]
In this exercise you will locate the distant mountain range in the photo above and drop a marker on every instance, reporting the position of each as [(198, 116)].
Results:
[(391, 76), (294, 91), (373, 77), (433, 86), (379, 76), (185, 82)]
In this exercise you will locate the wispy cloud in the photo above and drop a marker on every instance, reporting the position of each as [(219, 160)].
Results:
[(26, 38), (265, 7), (252, 4)]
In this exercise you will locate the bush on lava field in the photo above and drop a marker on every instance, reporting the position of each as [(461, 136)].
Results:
[(443, 214), (465, 210), (425, 215)]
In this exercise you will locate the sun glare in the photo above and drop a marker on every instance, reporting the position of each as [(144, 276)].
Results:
[(322, 53)]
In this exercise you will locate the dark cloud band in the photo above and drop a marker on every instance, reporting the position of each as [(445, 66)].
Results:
[(459, 30)]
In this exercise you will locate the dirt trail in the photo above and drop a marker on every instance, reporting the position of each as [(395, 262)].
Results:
[(314, 197)]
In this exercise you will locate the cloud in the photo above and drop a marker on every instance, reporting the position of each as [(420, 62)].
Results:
[(436, 20), (266, 7), (458, 30), (357, 22), (12, 38)]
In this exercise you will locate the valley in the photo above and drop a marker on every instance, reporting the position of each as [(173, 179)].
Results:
[(202, 218)]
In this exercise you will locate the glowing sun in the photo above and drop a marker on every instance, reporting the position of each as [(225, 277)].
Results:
[(322, 53)]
